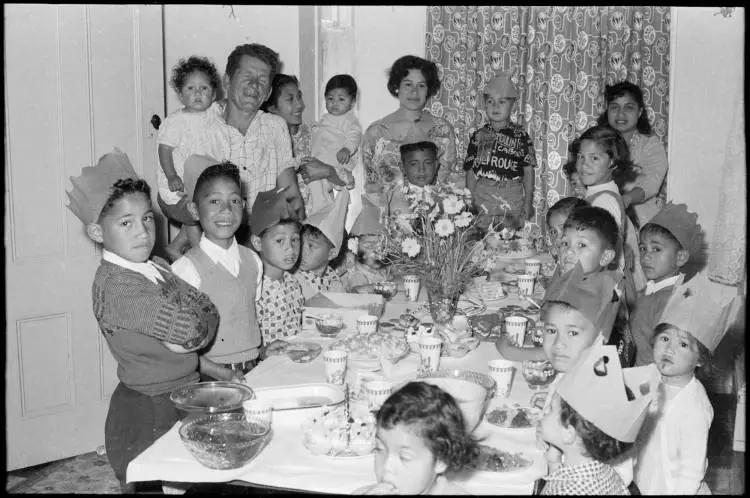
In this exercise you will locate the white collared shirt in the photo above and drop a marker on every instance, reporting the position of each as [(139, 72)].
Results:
[(148, 268), (652, 286), (228, 258)]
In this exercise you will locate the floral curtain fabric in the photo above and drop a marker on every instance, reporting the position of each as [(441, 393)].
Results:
[(561, 58)]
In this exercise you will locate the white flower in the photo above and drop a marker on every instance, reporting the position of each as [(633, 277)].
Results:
[(463, 220), (444, 227), (353, 244), (410, 247), (452, 204)]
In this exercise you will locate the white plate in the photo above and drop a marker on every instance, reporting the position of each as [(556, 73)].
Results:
[(301, 396), (534, 415)]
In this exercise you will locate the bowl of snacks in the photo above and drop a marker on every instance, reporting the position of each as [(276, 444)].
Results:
[(538, 373), (471, 390), (224, 441), (330, 325), (387, 289)]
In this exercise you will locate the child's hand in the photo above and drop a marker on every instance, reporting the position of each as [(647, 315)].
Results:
[(343, 155), (175, 184)]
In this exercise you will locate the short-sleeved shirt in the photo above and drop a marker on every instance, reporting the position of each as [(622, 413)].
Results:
[(280, 308), (500, 154)]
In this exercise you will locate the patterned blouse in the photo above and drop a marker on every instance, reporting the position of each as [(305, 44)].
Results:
[(500, 154), (593, 478), (280, 308)]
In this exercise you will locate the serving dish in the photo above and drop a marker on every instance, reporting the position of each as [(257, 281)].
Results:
[(211, 397), (301, 396), (337, 433)]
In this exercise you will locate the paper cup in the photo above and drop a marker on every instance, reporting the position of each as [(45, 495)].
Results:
[(367, 324), (532, 266), (377, 392), (411, 287), (515, 327), (258, 410), (335, 364), (429, 353), (526, 285), (502, 372)]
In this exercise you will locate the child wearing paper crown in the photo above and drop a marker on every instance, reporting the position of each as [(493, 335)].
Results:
[(671, 450), (365, 242), (500, 159), (321, 238), (229, 273), (593, 418), (153, 321), (275, 236), (665, 246)]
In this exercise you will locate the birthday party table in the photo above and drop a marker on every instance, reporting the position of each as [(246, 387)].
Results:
[(286, 463)]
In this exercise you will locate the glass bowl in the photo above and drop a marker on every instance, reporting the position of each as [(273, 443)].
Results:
[(205, 398), (537, 373), (386, 289), (225, 440), (330, 325)]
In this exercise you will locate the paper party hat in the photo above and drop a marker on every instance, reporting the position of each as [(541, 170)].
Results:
[(681, 223), (194, 166), (269, 208), (330, 221), (368, 221)]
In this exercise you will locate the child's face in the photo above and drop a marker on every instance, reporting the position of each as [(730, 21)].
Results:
[(676, 353), (593, 164), (556, 231), (567, 334), (553, 431), (498, 107), (403, 459), (219, 207), (579, 189), (316, 253), (584, 245), (420, 167), (660, 257), (128, 229), (623, 113), (290, 104), (338, 101), (280, 246), (197, 93)]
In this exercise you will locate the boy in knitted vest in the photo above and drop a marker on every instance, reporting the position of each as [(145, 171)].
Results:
[(231, 274), (152, 320)]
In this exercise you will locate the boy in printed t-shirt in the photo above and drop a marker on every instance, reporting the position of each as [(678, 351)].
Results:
[(275, 236), (228, 272), (152, 320), (665, 246)]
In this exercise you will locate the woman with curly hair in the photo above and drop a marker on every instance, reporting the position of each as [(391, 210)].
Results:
[(413, 81), (421, 434)]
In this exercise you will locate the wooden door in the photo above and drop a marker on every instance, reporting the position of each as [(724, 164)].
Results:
[(79, 81)]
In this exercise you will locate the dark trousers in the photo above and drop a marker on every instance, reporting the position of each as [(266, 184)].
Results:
[(134, 422)]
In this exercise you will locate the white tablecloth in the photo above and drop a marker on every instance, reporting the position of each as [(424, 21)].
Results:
[(286, 463)]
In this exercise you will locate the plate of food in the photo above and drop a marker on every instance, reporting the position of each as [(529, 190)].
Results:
[(297, 351), (491, 459), (364, 350), (514, 417)]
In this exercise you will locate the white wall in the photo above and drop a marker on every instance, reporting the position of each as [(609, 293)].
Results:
[(209, 30), (707, 76)]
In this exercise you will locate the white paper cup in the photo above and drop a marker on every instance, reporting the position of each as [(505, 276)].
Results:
[(429, 353), (515, 327), (502, 372), (411, 287), (377, 392), (526, 285), (258, 410), (335, 364), (367, 324), (532, 266)]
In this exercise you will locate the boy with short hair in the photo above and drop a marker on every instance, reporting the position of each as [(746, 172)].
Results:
[(419, 165), (592, 419), (152, 320), (231, 274), (275, 236), (321, 237), (500, 159), (665, 247)]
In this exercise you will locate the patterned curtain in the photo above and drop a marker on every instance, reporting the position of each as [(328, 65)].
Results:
[(561, 59)]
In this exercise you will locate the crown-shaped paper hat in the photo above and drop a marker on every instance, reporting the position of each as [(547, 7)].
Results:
[(368, 221), (269, 208), (590, 294), (696, 307), (330, 221), (194, 166), (680, 222), (501, 85), (92, 188), (595, 388)]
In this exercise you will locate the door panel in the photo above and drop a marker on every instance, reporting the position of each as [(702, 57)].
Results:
[(77, 84)]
